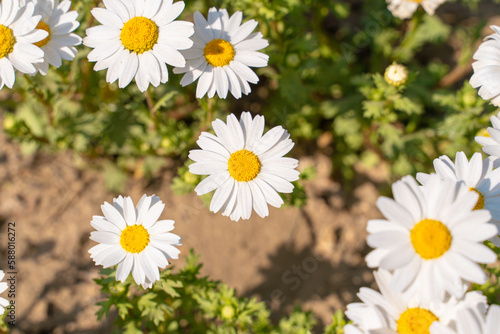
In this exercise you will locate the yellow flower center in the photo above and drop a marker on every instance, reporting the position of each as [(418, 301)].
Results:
[(243, 165), (480, 200), (134, 238), (430, 238), (43, 26), (483, 133), (139, 34), (415, 321), (219, 52), (7, 41)]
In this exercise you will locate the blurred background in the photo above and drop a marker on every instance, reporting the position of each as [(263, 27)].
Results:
[(71, 141)]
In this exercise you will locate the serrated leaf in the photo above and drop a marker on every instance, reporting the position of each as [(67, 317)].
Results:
[(146, 301)]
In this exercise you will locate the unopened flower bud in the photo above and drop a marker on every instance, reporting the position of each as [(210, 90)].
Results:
[(396, 75)]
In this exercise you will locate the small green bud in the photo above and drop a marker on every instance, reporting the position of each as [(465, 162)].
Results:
[(166, 143), (145, 147), (9, 122), (190, 178), (227, 312), (469, 99), (293, 60)]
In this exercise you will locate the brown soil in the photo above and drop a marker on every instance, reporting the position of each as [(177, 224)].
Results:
[(312, 257)]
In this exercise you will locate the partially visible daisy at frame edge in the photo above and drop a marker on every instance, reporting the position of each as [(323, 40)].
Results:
[(486, 68), (223, 52), (404, 9), (478, 175), (18, 34), (59, 23), (392, 312), (3, 286), (137, 39), (245, 167), (472, 320), (134, 239), (490, 140), (431, 239)]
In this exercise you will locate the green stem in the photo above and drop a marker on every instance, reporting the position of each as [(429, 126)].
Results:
[(151, 108), (210, 111), (41, 99), (416, 20)]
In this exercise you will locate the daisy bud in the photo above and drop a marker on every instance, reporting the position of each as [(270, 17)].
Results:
[(396, 75)]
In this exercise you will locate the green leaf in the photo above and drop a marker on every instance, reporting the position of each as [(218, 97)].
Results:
[(114, 177), (147, 301)]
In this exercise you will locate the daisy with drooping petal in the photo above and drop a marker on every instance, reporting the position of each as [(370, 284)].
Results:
[(3, 286), (17, 38), (392, 312), (134, 239), (431, 238), (137, 39), (404, 9), (222, 54), (246, 168), (486, 68), (472, 320), (59, 24), (478, 175)]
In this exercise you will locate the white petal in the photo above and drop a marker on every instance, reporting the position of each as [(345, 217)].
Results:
[(113, 215), (259, 200), (207, 168), (129, 211), (211, 183), (124, 268), (222, 195), (153, 214), (204, 82)]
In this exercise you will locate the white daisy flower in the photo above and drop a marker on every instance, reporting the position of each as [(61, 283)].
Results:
[(137, 39), (390, 312), (134, 239), (432, 238), (17, 35), (59, 24), (3, 286), (404, 9), (223, 51), (247, 168), (478, 175), (486, 68), (472, 320)]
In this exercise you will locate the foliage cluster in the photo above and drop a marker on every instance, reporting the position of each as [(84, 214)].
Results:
[(323, 84), (185, 302)]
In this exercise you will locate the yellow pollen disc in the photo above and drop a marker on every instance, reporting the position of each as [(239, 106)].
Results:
[(43, 26), (483, 133), (219, 52), (480, 200), (134, 238), (415, 321), (430, 238), (243, 165), (7, 41), (139, 34)]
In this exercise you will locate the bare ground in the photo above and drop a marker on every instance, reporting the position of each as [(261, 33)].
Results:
[(312, 257)]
